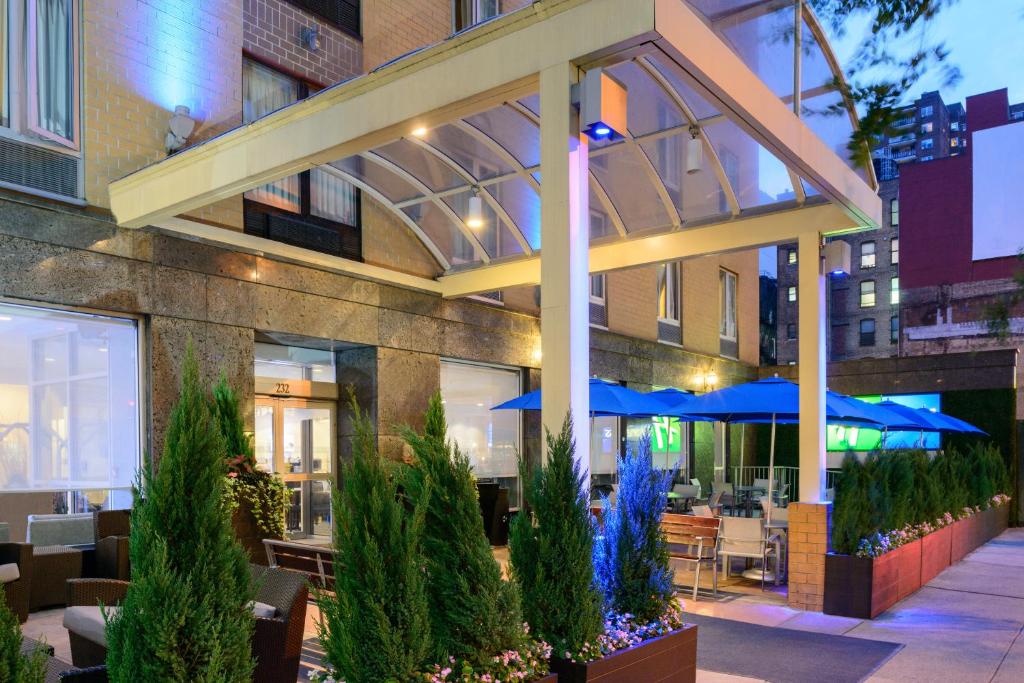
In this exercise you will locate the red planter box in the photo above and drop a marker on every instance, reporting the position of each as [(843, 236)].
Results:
[(864, 587), (671, 658), (935, 553), (550, 678)]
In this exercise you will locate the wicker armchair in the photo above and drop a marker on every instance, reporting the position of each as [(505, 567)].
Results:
[(90, 593), (112, 528), (277, 642), (17, 592)]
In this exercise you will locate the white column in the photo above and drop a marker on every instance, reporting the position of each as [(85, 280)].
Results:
[(812, 346), (564, 273), (721, 435)]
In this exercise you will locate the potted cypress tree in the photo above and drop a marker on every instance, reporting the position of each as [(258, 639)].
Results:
[(17, 666), (476, 621), (186, 614), (257, 499), (375, 626)]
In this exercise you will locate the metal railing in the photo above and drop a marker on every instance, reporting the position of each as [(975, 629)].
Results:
[(745, 476)]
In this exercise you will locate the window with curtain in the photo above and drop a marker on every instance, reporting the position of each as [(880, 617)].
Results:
[(668, 292), (867, 255), (466, 13), (39, 92), (894, 250), (867, 293), (894, 290), (867, 332), (727, 298), (321, 196), (69, 409)]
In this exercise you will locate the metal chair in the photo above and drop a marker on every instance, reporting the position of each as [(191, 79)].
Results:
[(695, 540), (745, 537)]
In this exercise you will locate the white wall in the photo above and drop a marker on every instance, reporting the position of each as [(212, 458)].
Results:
[(998, 191)]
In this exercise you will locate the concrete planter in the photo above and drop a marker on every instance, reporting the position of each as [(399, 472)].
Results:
[(671, 658)]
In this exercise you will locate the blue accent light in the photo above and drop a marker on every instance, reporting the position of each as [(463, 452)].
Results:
[(601, 131)]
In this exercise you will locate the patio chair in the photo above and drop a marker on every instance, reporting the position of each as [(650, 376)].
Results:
[(57, 545), (16, 576), (703, 511), (715, 503), (687, 494), (112, 529), (781, 495), (695, 540), (727, 499), (745, 537), (700, 489), (830, 495), (5, 532)]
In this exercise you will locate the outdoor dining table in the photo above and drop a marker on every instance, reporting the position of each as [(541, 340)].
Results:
[(747, 494), (679, 498)]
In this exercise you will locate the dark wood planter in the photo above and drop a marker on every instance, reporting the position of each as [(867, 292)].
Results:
[(1002, 518), (935, 553), (671, 658), (861, 587), (960, 543), (908, 571), (248, 533), (550, 678)]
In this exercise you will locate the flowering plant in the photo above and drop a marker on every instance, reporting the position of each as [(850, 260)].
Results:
[(623, 631), (526, 663), (1000, 499)]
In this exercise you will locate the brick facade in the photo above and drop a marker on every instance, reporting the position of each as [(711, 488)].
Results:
[(810, 533)]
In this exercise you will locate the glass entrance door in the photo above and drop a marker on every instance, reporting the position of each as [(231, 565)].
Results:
[(295, 440)]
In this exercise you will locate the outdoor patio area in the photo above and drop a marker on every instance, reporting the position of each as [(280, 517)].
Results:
[(965, 625)]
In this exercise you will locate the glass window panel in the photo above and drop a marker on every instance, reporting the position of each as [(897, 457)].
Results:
[(293, 521), (320, 507), (421, 164), (604, 449), (649, 107), (379, 178), (306, 441), (333, 198), (264, 91), (757, 176), (68, 401), (625, 177), (513, 131), (442, 232), (700, 107), (277, 361), (531, 102), (495, 237), (489, 438), (468, 152), (53, 107), (600, 222), (263, 442), (765, 44), (696, 195), (522, 203), (727, 297)]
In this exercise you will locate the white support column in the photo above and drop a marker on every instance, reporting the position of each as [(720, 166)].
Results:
[(564, 281), (812, 351)]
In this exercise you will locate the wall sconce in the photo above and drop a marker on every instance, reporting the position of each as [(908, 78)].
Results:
[(694, 152), (179, 127), (709, 379), (475, 214), (309, 36)]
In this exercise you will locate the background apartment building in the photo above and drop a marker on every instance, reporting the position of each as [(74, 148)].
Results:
[(94, 319)]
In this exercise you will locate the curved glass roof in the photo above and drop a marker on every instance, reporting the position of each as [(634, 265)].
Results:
[(639, 184)]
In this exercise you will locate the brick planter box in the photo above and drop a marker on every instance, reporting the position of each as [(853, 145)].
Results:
[(864, 587), (671, 658), (935, 553)]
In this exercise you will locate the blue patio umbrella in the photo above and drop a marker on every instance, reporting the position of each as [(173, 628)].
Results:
[(674, 402), (606, 399), (948, 423)]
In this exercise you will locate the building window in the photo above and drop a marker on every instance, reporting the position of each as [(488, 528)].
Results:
[(894, 290), (927, 127), (894, 329), (927, 157), (466, 13), (316, 209), (342, 13), (668, 292), (70, 409), (867, 332), (791, 256), (894, 250), (790, 331), (867, 293), (927, 111), (791, 294), (867, 254), (955, 125), (927, 143), (894, 212), (727, 298), (39, 77), (597, 284), (489, 438), (954, 142)]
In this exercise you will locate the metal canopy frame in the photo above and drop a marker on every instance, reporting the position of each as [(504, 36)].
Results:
[(493, 69)]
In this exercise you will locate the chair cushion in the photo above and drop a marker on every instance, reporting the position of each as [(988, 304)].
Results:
[(9, 573), (75, 529), (262, 609), (87, 622)]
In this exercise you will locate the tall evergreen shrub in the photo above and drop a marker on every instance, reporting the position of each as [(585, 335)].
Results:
[(16, 667), (852, 518), (931, 503), (631, 554), (876, 473), (903, 501), (375, 626), (551, 549), (474, 613), (186, 616)]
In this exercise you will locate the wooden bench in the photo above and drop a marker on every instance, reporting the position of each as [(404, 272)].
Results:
[(695, 540), (316, 562)]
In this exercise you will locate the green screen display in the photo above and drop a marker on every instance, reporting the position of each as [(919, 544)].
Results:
[(842, 438)]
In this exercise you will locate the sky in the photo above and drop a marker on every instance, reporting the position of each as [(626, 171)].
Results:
[(986, 41)]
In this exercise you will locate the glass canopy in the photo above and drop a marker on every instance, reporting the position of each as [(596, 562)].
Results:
[(638, 184)]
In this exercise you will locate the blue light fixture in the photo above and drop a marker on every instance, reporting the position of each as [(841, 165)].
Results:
[(602, 100)]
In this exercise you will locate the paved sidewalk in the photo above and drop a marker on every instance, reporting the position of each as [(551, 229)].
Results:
[(966, 625)]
